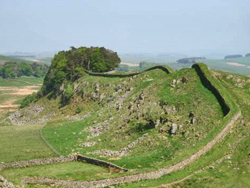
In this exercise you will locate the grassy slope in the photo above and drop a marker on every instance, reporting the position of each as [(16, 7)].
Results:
[(233, 171), (208, 178), (158, 149), (66, 171), (22, 143)]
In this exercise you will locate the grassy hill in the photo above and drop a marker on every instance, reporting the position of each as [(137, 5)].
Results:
[(143, 122), (4, 59)]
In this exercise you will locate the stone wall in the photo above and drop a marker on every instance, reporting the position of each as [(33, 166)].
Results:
[(164, 68), (5, 184), (61, 159), (207, 83), (137, 177), (100, 163), (35, 162), (158, 173)]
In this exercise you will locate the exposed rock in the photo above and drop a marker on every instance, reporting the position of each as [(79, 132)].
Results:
[(184, 80), (5, 184), (97, 129), (191, 114), (229, 77), (18, 118), (173, 83), (124, 151), (174, 128), (193, 121), (102, 96), (94, 96), (88, 144), (141, 96)]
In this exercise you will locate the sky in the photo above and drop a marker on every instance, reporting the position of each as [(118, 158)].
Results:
[(126, 26)]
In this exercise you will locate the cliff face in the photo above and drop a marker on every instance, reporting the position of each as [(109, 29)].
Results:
[(71, 65)]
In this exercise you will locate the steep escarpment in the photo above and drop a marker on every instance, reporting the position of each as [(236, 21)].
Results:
[(162, 119), (71, 65)]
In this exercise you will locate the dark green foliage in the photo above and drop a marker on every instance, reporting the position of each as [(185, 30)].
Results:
[(71, 65), (248, 55), (29, 99), (69, 91), (14, 70)]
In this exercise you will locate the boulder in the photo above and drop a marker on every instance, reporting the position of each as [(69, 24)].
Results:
[(173, 128), (193, 121)]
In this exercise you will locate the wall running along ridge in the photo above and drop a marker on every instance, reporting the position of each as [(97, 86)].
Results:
[(164, 171), (164, 68), (207, 83)]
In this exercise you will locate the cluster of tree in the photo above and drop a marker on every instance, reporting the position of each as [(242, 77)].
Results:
[(233, 56), (248, 55), (71, 65), (190, 60), (14, 69)]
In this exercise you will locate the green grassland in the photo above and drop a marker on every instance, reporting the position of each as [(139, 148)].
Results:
[(66, 171), (144, 99), (157, 149), (225, 172), (22, 143), (20, 82)]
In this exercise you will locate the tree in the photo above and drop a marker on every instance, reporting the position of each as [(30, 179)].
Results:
[(70, 65)]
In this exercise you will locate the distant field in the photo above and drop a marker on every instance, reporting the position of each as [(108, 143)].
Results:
[(13, 91), (228, 66), (4, 59), (235, 65)]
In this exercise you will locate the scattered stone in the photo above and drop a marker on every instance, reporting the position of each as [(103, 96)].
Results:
[(193, 121), (173, 128), (184, 80), (191, 114), (5, 184), (122, 152), (88, 144), (229, 77), (211, 167)]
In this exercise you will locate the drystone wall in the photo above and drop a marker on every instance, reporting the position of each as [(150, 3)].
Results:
[(137, 177), (100, 163), (164, 68), (35, 162), (207, 83), (5, 183), (61, 159), (159, 173)]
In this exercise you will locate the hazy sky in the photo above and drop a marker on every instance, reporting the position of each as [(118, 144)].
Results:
[(158, 26)]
